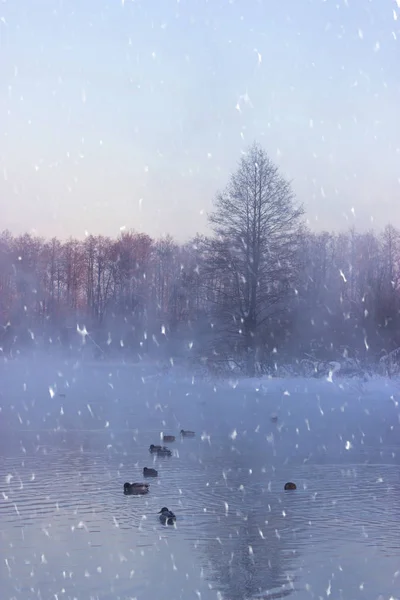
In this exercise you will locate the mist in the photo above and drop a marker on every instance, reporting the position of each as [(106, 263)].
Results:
[(72, 433), (134, 299), (199, 300)]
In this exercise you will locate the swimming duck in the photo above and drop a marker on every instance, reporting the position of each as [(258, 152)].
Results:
[(274, 418), (138, 489), (187, 433), (290, 486), (168, 438), (149, 472), (160, 450), (167, 517)]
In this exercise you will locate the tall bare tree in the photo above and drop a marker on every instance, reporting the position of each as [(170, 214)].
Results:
[(253, 253)]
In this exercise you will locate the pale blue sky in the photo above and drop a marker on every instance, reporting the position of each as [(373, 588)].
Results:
[(126, 114)]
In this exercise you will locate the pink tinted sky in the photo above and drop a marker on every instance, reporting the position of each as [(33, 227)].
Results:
[(129, 114)]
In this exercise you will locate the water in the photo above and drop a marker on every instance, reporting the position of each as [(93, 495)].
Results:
[(67, 530)]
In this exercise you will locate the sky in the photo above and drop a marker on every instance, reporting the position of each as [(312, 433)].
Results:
[(133, 114)]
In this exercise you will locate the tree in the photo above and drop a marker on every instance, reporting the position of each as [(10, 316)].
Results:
[(100, 269), (253, 253), (7, 283), (165, 253), (387, 301)]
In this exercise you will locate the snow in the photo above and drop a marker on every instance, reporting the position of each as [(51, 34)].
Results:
[(68, 530)]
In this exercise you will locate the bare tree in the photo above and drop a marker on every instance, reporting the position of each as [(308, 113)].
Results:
[(73, 267), (253, 253), (165, 267), (100, 269), (387, 301), (7, 279)]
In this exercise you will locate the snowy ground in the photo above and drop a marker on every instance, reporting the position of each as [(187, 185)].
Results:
[(70, 435)]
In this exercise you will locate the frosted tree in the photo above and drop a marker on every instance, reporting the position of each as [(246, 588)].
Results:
[(253, 254)]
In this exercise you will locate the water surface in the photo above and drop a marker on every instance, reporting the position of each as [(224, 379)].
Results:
[(67, 530)]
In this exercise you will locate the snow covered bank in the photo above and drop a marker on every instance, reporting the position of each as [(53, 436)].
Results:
[(372, 386)]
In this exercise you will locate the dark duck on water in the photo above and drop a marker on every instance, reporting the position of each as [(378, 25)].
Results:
[(136, 489), (167, 517), (160, 450), (147, 472)]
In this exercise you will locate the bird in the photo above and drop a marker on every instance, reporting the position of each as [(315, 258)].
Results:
[(149, 472), (160, 450), (187, 433), (167, 517), (274, 418), (168, 438), (290, 486), (137, 489)]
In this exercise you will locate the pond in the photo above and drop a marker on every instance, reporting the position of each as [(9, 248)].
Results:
[(71, 435)]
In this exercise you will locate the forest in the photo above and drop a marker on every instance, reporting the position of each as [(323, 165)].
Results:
[(260, 291)]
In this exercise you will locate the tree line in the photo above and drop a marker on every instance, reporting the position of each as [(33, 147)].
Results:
[(260, 290)]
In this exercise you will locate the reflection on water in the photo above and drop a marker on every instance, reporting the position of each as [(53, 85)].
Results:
[(68, 531)]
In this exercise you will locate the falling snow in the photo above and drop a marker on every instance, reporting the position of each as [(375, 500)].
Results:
[(84, 448), (129, 116)]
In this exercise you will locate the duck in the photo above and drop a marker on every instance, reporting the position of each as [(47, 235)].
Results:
[(167, 517), (168, 438), (290, 486), (274, 418), (186, 433), (160, 450), (149, 472), (138, 489)]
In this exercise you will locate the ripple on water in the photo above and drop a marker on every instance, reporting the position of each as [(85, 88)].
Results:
[(67, 524)]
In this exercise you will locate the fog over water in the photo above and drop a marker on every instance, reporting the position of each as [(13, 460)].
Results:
[(68, 531), (204, 237)]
